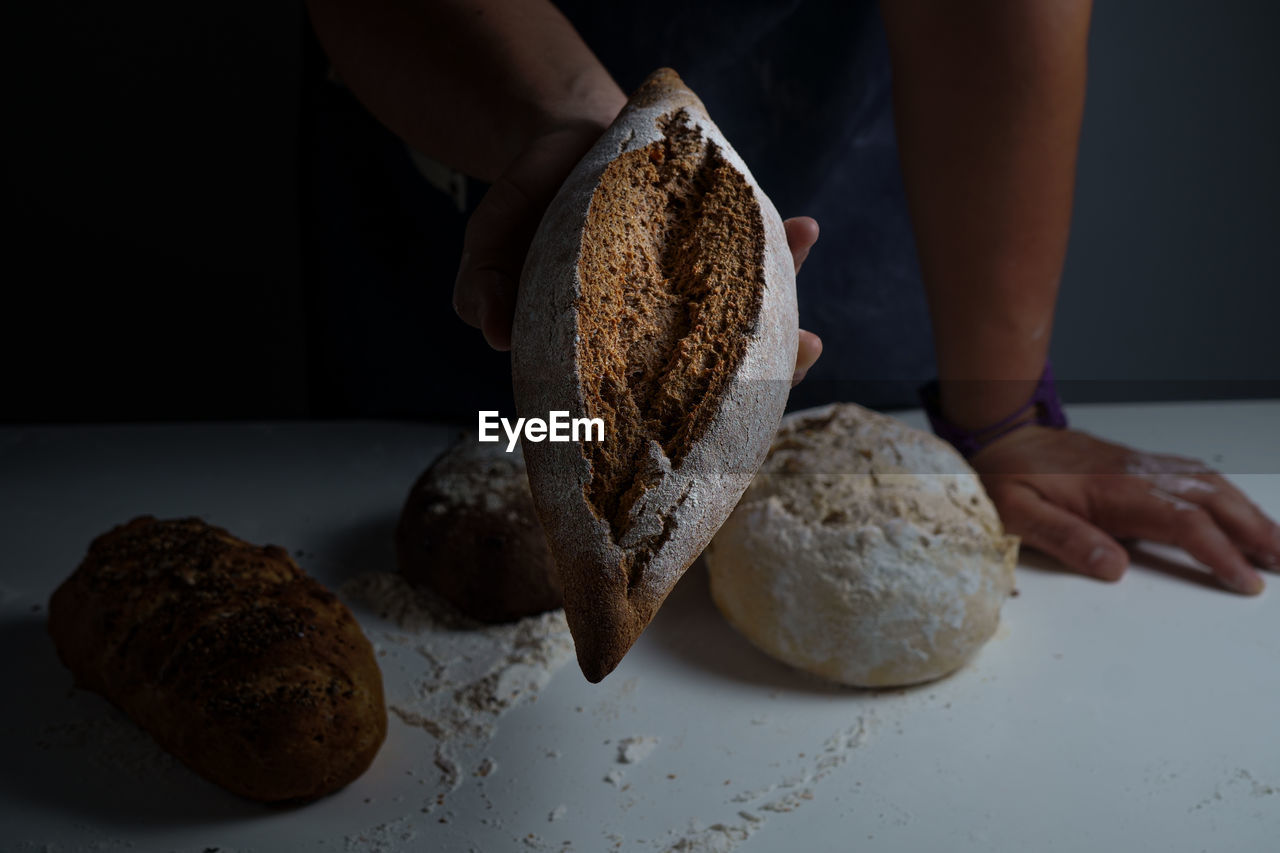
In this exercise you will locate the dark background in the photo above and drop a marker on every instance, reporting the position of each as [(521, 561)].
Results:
[(153, 266)]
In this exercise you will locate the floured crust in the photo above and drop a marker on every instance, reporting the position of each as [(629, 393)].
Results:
[(468, 532), (866, 552), (616, 568)]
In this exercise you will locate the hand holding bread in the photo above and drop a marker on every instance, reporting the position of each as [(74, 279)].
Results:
[(502, 226)]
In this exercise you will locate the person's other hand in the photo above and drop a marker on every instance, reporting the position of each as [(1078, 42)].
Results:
[(502, 227), (1072, 495), (802, 233)]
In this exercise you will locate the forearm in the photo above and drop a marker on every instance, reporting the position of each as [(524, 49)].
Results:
[(988, 97), (467, 83)]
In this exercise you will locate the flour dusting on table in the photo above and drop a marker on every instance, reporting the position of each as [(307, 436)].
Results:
[(633, 750), (455, 677), (788, 795), (390, 837)]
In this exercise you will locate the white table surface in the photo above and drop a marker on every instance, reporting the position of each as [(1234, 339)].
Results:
[(1143, 715)]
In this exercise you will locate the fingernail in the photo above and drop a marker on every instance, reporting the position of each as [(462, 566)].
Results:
[(1101, 564), (487, 325), (1250, 584)]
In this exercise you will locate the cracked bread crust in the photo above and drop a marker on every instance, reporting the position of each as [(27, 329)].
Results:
[(658, 295)]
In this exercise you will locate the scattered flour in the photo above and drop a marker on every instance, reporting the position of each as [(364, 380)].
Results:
[(788, 802), (474, 673), (633, 750), (1170, 475), (716, 838), (1155, 465), (1256, 788), (1240, 782), (791, 793), (390, 837), (1178, 503)]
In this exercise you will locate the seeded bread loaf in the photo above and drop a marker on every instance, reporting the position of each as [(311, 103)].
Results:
[(469, 533), (659, 296), (250, 672)]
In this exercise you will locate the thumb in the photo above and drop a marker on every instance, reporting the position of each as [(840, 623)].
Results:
[(500, 230), (1059, 533), (807, 353), (496, 240)]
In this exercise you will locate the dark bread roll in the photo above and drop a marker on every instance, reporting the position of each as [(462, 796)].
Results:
[(247, 670), (468, 532)]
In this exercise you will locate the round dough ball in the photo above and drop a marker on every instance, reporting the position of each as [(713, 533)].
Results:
[(468, 531), (865, 552)]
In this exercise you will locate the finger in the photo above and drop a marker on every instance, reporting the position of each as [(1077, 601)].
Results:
[(475, 287), (806, 354), (501, 228), (497, 238), (1141, 511), (467, 301), (485, 299), (1248, 527), (802, 233), (499, 315), (1059, 533)]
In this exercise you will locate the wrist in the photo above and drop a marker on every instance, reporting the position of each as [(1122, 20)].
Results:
[(557, 140), (580, 115), (593, 100), (1039, 406), (975, 403)]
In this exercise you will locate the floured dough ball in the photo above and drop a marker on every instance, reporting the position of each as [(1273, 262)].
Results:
[(468, 531), (865, 551)]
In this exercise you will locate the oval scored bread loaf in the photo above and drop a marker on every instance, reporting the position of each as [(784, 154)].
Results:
[(229, 655), (658, 296)]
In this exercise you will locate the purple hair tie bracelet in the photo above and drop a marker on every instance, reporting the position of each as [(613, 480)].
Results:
[(1044, 401)]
